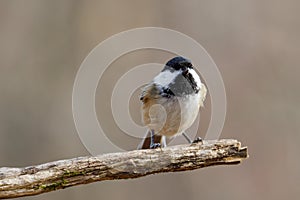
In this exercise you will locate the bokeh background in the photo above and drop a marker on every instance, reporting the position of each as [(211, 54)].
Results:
[(254, 43)]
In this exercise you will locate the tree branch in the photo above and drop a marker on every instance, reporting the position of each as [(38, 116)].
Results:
[(33, 180)]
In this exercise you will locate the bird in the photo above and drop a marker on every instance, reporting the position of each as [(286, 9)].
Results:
[(171, 102)]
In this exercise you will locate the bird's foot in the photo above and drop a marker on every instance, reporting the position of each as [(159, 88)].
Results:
[(197, 140), (155, 145)]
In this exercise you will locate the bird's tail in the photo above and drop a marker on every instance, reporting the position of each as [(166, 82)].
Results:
[(145, 143)]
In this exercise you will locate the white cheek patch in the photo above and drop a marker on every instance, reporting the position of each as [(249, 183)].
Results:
[(195, 76), (166, 77)]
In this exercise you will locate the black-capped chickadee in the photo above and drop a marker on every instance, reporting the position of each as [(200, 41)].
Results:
[(171, 102)]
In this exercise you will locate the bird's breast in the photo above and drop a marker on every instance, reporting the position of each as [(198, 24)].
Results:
[(171, 116)]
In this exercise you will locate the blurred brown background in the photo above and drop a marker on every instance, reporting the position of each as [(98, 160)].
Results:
[(254, 43)]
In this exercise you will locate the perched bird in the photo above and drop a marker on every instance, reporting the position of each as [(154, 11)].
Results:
[(171, 102)]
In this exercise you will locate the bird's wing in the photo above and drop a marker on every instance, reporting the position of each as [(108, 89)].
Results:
[(150, 91)]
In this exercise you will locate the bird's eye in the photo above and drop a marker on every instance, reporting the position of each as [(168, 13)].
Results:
[(185, 64), (185, 72)]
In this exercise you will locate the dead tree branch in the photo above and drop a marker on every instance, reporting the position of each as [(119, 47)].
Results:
[(33, 180)]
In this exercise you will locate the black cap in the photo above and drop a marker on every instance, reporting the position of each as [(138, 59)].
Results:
[(178, 63)]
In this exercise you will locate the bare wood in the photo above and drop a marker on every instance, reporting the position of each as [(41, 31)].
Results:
[(33, 180)]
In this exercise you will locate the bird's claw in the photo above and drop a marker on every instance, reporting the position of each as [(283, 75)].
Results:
[(198, 140), (155, 146)]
